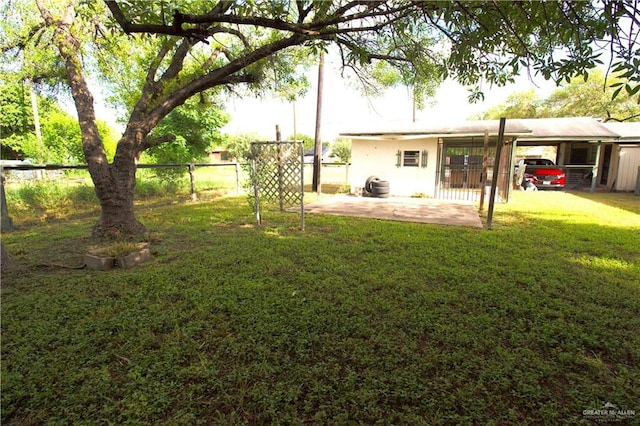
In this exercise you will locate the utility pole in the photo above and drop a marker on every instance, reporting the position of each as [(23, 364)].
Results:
[(414, 102), (295, 130), (317, 152)]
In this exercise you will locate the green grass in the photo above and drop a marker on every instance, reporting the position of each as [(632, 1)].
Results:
[(353, 321)]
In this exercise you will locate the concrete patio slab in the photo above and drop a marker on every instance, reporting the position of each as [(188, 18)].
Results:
[(424, 210)]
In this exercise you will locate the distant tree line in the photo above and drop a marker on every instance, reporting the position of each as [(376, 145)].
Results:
[(590, 97)]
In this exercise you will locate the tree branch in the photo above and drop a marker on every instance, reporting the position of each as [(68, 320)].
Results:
[(21, 44), (155, 64), (354, 46), (620, 120), (150, 142), (175, 29), (92, 145), (391, 15), (221, 29), (226, 75)]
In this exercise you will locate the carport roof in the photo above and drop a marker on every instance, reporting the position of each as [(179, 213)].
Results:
[(421, 130), (628, 131), (567, 128), (534, 129)]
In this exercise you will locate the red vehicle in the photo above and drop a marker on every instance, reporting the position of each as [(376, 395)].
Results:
[(544, 173)]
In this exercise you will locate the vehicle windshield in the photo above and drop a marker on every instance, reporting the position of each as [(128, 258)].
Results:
[(538, 162)]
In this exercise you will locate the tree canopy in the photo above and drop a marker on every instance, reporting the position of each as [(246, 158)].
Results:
[(154, 56), (471, 41)]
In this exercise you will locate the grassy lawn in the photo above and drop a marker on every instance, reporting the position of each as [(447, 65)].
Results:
[(353, 321)]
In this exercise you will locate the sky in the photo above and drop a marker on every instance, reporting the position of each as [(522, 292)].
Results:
[(345, 109)]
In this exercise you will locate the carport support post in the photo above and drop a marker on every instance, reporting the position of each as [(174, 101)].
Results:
[(594, 173), (485, 163), (494, 178)]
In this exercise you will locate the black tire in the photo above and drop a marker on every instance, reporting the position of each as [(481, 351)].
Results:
[(381, 184), (380, 188), (380, 191), (370, 180)]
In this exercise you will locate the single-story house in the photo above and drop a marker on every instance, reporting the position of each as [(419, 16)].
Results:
[(446, 160)]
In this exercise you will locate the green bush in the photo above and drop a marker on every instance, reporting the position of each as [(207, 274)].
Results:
[(147, 188), (44, 196)]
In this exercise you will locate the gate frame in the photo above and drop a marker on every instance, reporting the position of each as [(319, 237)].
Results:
[(468, 193), (279, 163)]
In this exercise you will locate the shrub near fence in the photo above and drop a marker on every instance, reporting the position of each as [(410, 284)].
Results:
[(42, 192)]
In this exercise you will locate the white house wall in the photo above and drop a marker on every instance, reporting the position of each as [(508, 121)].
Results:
[(376, 157), (629, 161)]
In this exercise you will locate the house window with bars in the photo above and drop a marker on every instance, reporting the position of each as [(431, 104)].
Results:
[(411, 159)]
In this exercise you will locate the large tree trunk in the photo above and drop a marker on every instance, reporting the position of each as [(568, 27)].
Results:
[(116, 190), (114, 183), (117, 218)]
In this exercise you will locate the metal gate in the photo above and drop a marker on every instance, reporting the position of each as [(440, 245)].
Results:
[(461, 167)]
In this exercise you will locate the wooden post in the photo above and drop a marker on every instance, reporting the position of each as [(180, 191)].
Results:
[(317, 152), (594, 171), (192, 169), (637, 191), (301, 185), (496, 166), (485, 164), (280, 172), (280, 178), (256, 192)]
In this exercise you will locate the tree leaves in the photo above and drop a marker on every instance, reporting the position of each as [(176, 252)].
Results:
[(589, 97)]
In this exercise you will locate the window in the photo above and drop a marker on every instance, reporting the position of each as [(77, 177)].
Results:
[(411, 159)]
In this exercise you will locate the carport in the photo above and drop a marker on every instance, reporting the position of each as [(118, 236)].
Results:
[(584, 147)]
